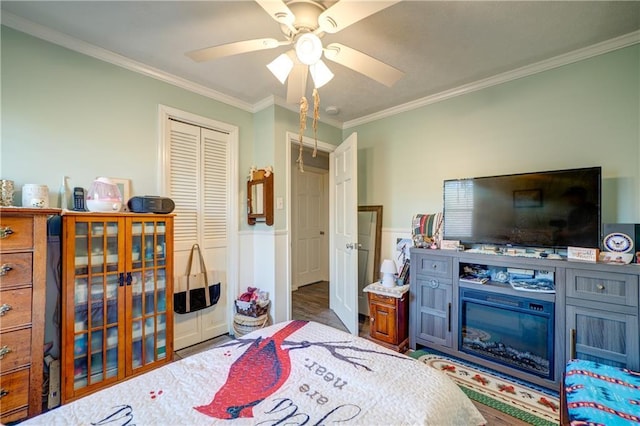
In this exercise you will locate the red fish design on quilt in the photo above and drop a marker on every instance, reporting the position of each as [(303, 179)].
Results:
[(259, 372)]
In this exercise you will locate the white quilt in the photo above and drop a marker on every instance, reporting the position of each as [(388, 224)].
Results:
[(292, 373)]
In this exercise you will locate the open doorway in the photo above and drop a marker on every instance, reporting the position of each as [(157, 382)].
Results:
[(309, 237)]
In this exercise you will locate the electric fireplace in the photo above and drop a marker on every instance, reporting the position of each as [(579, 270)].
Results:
[(513, 331)]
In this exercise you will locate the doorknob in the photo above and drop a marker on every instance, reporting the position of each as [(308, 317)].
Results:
[(351, 246), (321, 232)]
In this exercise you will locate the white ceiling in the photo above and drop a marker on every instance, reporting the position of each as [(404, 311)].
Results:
[(440, 45)]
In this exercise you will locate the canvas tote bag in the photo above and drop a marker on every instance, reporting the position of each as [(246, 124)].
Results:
[(199, 293)]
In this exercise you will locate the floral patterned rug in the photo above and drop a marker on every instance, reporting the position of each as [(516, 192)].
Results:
[(527, 402)]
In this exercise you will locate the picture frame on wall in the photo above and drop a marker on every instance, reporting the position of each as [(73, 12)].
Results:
[(124, 185)]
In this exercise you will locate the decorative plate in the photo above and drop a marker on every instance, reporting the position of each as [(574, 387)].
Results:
[(618, 242)]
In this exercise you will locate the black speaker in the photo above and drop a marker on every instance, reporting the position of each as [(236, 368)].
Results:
[(151, 204), (631, 230)]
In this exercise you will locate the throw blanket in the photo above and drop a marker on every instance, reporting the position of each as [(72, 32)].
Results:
[(289, 373)]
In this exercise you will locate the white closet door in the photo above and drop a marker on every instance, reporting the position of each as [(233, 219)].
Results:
[(198, 184)]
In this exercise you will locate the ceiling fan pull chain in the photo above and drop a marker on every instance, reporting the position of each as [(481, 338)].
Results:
[(304, 108), (316, 115)]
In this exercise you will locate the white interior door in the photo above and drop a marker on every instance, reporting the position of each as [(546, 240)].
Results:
[(343, 259), (310, 211)]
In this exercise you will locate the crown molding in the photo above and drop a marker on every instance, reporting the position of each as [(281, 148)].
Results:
[(528, 70), (55, 37)]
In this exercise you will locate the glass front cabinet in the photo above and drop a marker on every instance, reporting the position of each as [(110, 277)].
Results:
[(117, 310)]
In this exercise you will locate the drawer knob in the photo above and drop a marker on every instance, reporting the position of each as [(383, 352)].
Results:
[(4, 309), (600, 287), (434, 284), (4, 269), (5, 231), (3, 392), (4, 350), (434, 266)]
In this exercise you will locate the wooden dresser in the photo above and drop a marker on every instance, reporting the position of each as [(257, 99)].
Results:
[(23, 270)]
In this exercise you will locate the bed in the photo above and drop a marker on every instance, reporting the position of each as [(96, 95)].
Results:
[(294, 372)]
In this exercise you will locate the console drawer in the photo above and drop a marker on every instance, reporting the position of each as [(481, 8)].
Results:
[(608, 287), (434, 265), (18, 269), (21, 236)]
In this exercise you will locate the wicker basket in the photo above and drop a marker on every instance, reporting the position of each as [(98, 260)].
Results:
[(243, 324), (251, 309)]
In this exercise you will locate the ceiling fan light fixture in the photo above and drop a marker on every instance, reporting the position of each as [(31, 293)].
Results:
[(280, 67), (308, 48), (320, 73)]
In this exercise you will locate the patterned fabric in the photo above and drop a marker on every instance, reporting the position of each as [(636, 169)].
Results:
[(426, 228), (294, 372), (599, 394)]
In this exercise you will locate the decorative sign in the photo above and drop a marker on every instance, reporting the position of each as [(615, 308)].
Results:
[(450, 244), (583, 254)]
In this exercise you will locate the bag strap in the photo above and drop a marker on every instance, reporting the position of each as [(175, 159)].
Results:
[(203, 270)]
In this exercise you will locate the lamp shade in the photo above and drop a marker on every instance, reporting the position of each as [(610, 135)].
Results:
[(281, 67), (320, 73), (388, 270)]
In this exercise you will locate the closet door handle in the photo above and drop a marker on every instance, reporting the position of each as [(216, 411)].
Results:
[(449, 317), (121, 279), (129, 278)]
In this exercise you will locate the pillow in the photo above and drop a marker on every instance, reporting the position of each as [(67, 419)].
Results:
[(426, 230)]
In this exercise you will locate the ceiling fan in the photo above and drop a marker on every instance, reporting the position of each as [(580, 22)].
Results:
[(304, 23)]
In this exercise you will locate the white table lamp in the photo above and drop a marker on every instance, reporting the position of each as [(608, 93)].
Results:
[(388, 270)]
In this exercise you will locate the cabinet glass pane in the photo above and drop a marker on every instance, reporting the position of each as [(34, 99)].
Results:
[(112, 362), (97, 341), (136, 344), (149, 338), (96, 367), (80, 372), (82, 319), (97, 288), (136, 295), (149, 250), (162, 336), (97, 314), (81, 290)]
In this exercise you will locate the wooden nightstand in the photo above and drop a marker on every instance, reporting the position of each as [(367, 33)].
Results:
[(389, 316)]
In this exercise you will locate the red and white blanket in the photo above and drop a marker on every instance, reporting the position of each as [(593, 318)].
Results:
[(294, 373)]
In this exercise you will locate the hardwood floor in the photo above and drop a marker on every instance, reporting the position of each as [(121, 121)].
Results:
[(311, 302)]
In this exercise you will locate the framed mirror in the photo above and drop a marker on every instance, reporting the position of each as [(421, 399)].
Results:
[(369, 240), (260, 197)]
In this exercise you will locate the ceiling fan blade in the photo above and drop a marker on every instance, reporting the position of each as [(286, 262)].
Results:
[(229, 49), (297, 83), (363, 63), (279, 11), (347, 12)]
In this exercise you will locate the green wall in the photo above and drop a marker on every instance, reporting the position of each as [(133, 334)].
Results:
[(64, 113), (579, 115)]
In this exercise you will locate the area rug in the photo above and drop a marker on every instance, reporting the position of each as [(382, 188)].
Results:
[(527, 402)]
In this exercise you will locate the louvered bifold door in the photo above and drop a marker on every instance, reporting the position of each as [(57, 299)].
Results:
[(184, 159), (215, 165)]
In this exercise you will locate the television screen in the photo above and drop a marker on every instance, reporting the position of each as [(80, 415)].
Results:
[(552, 209)]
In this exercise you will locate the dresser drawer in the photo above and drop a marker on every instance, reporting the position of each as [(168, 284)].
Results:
[(379, 298), (16, 305), (15, 349), (434, 265), (17, 267), (15, 390), (21, 236), (608, 287)]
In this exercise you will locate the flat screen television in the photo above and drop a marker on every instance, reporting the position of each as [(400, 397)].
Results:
[(551, 209)]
